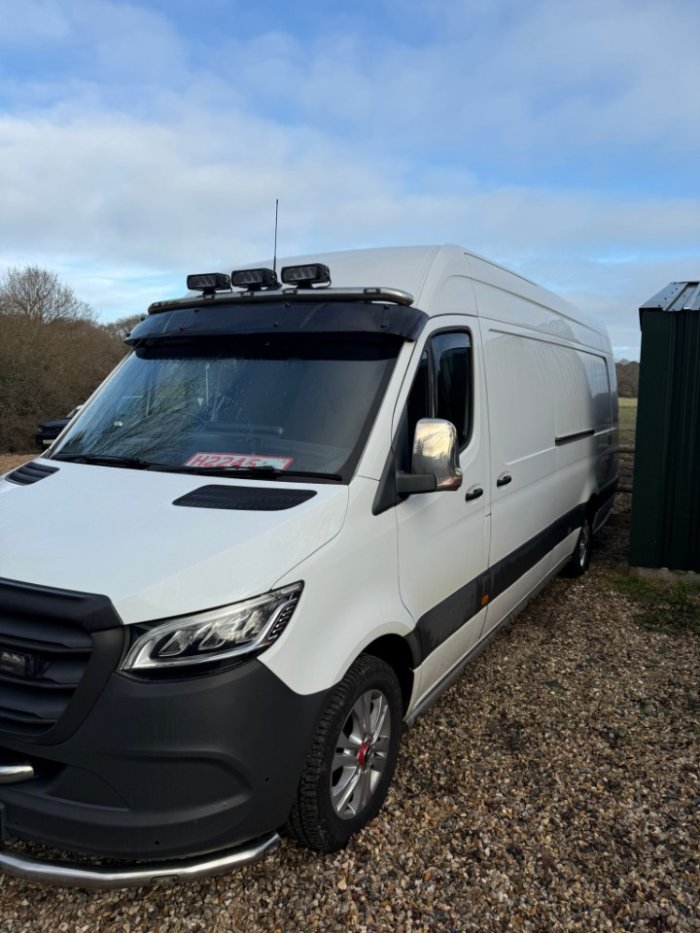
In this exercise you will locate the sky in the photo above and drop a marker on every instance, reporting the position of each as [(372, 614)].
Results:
[(143, 141)]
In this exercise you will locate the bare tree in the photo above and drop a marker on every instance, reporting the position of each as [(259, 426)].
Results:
[(38, 294), (627, 378), (52, 353)]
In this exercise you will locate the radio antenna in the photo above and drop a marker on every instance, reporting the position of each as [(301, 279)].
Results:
[(274, 256)]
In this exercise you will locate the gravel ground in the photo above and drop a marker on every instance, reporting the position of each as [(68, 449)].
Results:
[(554, 787)]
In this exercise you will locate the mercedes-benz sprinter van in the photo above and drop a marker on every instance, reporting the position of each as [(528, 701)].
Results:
[(271, 539)]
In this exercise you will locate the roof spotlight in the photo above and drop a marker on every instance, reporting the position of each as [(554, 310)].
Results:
[(253, 279), (314, 273), (209, 283)]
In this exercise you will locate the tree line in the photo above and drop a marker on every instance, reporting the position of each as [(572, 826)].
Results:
[(53, 353), (627, 378)]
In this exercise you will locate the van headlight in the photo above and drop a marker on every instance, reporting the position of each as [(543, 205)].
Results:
[(242, 628)]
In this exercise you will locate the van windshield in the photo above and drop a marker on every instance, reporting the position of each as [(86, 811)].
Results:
[(266, 406)]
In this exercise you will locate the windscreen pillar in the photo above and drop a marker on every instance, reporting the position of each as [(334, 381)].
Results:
[(665, 528)]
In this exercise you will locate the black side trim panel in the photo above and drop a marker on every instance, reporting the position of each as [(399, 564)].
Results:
[(30, 473), (451, 614), (443, 620), (514, 565), (245, 498), (571, 438)]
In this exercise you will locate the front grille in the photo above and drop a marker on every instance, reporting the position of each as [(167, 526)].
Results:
[(54, 645), (45, 661)]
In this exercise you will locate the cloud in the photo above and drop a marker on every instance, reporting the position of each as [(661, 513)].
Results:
[(502, 85), (498, 83), (120, 193), (135, 149), (25, 23)]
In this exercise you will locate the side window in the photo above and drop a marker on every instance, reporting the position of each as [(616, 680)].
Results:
[(452, 365), (599, 384), (442, 388)]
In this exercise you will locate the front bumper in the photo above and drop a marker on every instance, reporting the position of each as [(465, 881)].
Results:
[(68, 874), (167, 769)]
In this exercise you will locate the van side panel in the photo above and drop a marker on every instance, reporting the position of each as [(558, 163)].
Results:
[(514, 300), (523, 459), (551, 429), (607, 465)]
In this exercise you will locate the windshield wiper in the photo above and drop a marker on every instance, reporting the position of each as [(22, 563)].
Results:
[(137, 463), (131, 463), (262, 472)]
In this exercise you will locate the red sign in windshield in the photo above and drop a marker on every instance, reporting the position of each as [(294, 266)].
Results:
[(242, 461)]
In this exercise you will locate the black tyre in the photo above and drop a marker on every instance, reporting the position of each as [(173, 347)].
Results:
[(352, 757), (581, 558)]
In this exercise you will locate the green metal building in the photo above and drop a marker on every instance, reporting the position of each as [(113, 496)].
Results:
[(666, 500)]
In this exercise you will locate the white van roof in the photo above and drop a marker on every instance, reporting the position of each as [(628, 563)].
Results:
[(438, 278)]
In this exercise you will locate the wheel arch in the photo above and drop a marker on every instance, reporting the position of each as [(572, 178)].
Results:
[(394, 650), (592, 506)]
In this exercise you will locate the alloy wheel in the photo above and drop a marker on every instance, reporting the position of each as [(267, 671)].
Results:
[(361, 754)]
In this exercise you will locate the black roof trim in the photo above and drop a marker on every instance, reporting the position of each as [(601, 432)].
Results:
[(219, 318)]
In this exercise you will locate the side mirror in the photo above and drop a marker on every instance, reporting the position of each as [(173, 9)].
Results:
[(434, 465)]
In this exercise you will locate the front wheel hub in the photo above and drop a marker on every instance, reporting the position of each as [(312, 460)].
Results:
[(361, 754)]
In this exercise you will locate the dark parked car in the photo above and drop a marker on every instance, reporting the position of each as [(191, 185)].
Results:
[(48, 431)]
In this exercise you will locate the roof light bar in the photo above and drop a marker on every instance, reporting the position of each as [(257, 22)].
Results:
[(253, 279), (314, 273), (209, 282)]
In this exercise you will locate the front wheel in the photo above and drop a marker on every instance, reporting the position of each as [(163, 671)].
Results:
[(352, 758)]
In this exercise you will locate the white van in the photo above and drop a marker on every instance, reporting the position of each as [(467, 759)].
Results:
[(275, 535)]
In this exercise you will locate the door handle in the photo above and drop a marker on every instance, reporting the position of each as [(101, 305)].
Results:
[(504, 479), (473, 493)]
